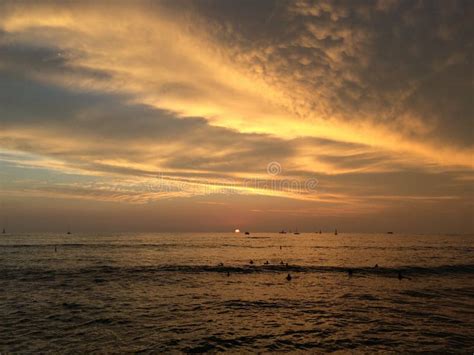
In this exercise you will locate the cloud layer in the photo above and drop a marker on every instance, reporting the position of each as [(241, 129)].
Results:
[(370, 103)]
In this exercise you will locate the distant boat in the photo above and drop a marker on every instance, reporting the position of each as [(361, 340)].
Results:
[(389, 232), (296, 231), (282, 232), (335, 232), (320, 232), (247, 233), (3, 232)]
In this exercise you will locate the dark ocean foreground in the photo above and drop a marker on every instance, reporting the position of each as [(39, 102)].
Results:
[(169, 292)]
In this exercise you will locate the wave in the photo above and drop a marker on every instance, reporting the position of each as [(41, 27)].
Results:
[(103, 273), (464, 249), (128, 246), (418, 270), (93, 245)]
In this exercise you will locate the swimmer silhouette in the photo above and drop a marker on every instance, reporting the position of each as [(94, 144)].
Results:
[(281, 262), (55, 249), (376, 266), (288, 277), (401, 276), (220, 264), (266, 262), (251, 262), (349, 272)]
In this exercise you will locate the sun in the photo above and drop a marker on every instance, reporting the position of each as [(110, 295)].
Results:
[(237, 231)]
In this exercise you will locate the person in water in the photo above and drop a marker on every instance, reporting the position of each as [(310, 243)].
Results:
[(251, 262), (349, 272), (401, 276), (288, 277), (376, 266), (266, 262), (55, 249)]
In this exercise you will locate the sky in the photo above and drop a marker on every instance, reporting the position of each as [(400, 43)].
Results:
[(212, 115)]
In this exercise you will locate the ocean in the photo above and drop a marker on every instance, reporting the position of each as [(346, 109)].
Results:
[(199, 292)]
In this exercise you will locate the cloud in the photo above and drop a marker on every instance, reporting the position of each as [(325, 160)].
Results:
[(335, 71), (365, 73), (365, 97)]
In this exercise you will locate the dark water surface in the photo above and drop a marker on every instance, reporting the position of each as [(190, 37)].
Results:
[(167, 292)]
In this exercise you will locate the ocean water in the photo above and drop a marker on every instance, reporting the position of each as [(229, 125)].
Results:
[(167, 293)]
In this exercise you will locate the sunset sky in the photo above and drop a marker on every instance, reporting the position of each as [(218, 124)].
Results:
[(259, 115)]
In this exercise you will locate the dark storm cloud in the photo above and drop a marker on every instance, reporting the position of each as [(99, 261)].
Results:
[(404, 64)]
